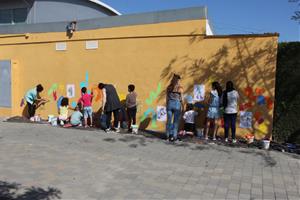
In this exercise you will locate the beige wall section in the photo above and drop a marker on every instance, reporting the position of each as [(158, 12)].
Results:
[(146, 55)]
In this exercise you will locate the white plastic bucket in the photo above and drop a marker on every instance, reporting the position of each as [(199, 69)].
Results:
[(50, 117), (54, 121), (135, 129), (37, 118), (266, 144)]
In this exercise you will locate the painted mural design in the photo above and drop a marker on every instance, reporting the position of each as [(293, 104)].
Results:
[(150, 112)]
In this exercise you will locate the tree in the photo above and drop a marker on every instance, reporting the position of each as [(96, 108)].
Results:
[(296, 15)]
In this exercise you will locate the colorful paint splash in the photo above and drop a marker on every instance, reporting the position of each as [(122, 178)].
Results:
[(150, 111), (52, 89), (153, 119), (74, 104), (86, 82), (54, 94), (153, 95)]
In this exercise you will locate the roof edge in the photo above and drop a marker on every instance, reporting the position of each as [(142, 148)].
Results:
[(194, 13), (106, 6), (243, 35)]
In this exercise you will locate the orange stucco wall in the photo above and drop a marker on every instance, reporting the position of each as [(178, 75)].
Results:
[(146, 55)]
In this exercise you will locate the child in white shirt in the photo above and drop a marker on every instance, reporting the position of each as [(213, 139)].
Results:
[(189, 119)]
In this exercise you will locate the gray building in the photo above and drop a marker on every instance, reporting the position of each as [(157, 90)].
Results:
[(43, 11)]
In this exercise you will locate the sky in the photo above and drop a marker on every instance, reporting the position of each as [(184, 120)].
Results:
[(229, 16)]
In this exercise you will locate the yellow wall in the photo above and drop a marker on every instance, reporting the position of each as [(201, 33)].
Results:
[(144, 55)]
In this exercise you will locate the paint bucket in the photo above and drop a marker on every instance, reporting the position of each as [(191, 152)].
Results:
[(200, 132), (50, 117), (135, 129), (54, 121), (266, 144), (250, 138), (37, 118)]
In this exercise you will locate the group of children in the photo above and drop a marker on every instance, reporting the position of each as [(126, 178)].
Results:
[(84, 105), (83, 110), (221, 104)]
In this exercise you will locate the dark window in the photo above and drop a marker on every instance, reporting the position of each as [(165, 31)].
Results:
[(12, 16), (5, 17), (19, 15)]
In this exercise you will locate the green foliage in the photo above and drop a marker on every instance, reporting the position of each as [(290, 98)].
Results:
[(287, 103), (296, 15)]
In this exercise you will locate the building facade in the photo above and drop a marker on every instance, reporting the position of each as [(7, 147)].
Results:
[(43, 11), (145, 50)]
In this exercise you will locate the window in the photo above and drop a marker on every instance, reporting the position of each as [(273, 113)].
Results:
[(13, 16), (19, 15), (5, 17)]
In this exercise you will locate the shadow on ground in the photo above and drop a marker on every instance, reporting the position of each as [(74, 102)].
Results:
[(15, 191), (269, 161)]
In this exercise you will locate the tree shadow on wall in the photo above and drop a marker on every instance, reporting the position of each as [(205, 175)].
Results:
[(238, 60), (15, 191)]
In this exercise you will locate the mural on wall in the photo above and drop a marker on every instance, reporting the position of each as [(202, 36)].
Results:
[(73, 104), (54, 94), (257, 102), (245, 119), (199, 92), (153, 95), (188, 99), (150, 111), (61, 89), (161, 113), (86, 82), (70, 90), (52, 89)]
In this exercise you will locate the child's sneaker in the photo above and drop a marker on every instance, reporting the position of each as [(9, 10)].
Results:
[(117, 130), (214, 139), (226, 139), (234, 141)]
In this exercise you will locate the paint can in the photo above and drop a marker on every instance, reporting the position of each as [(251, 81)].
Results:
[(135, 129), (54, 121), (266, 144), (200, 132)]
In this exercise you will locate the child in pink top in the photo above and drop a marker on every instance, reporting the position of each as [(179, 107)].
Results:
[(86, 102)]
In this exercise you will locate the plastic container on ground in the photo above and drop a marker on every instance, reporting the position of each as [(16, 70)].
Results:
[(266, 144), (54, 121), (50, 117), (135, 129)]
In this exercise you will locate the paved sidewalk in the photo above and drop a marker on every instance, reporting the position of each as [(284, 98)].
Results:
[(40, 162)]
